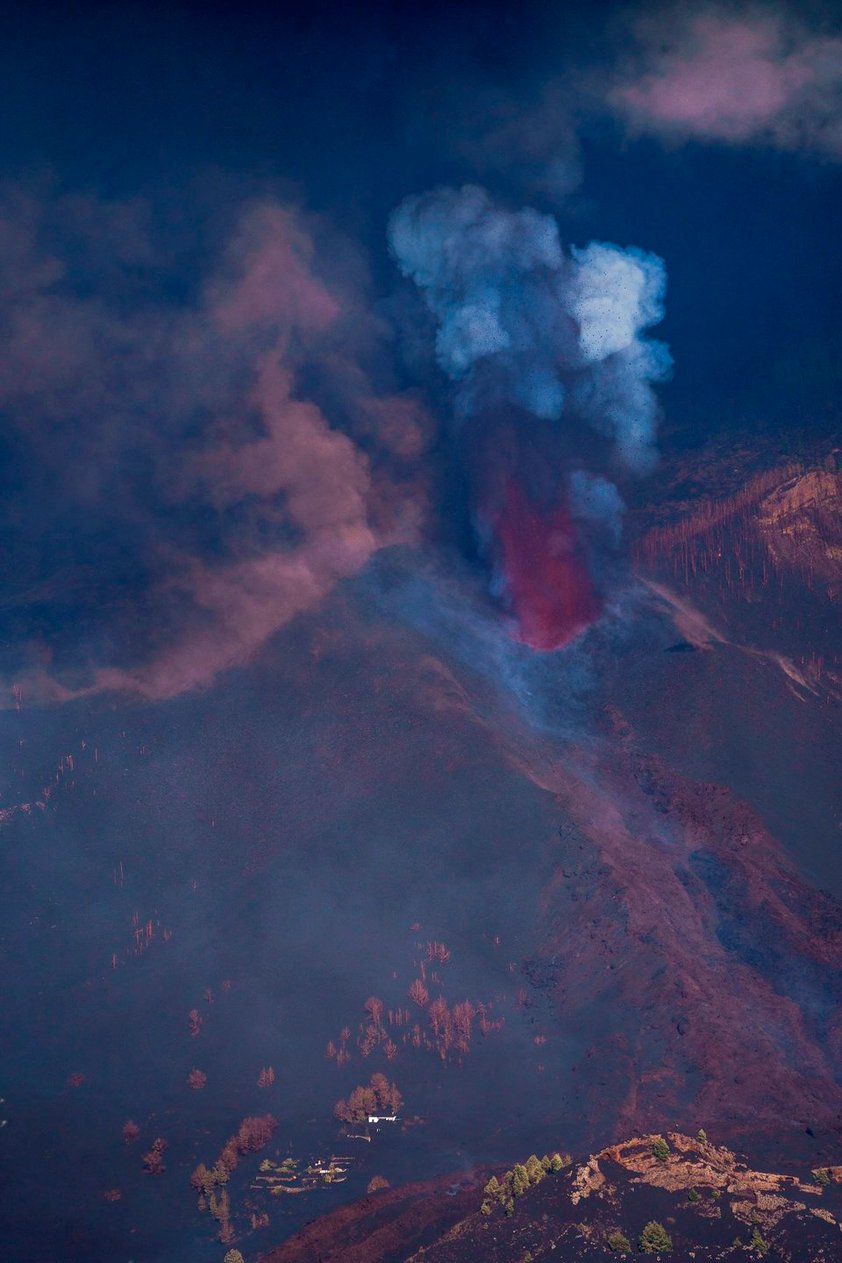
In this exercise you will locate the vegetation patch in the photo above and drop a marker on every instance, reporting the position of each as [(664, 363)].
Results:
[(655, 1239), (523, 1175)]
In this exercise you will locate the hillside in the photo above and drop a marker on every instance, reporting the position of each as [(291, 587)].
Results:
[(696, 1200)]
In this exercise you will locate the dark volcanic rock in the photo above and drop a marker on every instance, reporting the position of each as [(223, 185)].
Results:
[(386, 1227), (712, 1205)]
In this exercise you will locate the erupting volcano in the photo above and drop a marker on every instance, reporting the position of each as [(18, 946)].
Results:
[(546, 579), (420, 707)]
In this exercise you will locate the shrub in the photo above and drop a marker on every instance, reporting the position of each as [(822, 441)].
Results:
[(823, 1176), (757, 1243), (694, 1195), (619, 1242), (661, 1149), (655, 1239)]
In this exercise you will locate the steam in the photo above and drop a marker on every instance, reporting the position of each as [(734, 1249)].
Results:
[(523, 322)]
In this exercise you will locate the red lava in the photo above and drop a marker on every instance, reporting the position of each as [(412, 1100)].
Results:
[(547, 582)]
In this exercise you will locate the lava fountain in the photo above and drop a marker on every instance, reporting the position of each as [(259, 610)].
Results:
[(543, 571)]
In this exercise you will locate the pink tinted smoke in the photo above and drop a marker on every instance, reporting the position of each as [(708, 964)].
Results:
[(271, 258), (734, 79), (297, 507), (245, 603)]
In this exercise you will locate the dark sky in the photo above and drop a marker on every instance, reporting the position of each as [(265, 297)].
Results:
[(354, 104), (360, 104)]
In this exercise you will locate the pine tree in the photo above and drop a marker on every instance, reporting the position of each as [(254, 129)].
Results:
[(757, 1243), (520, 1180), (654, 1239)]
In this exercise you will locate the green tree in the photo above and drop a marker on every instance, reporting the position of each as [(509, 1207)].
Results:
[(694, 1195), (485, 1208), (823, 1176), (619, 1242), (655, 1239), (492, 1188), (757, 1243), (702, 1136), (558, 1163), (233, 1256), (661, 1149), (520, 1180), (534, 1169)]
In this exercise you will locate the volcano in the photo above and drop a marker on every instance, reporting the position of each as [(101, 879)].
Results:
[(369, 854)]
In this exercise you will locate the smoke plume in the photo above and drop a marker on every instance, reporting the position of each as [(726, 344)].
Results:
[(197, 464), (205, 439), (548, 355)]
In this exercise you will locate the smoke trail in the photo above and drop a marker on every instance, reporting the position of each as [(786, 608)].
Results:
[(547, 350), (217, 444)]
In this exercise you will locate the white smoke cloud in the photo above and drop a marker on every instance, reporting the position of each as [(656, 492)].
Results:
[(614, 295), (522, 321)]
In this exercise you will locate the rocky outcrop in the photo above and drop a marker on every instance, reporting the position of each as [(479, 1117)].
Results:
[(755, 1196), (801, 525), (713, 1205), (761, 563)]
